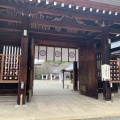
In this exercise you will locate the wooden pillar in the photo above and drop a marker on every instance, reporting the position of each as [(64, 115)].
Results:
[(75, 76), (23, 61), (106, 60), (30, 70)]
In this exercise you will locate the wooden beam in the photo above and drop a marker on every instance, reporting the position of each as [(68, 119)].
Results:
[(54, 43), (76, 14), (66, 25), (72, 26), (44, 33), (13, 18), (115, 39), (10, 31), (56, 36), (81, 15), (114, 31), (90, 4), (10, 36), (10, 18), (59, 24), (10, 42)]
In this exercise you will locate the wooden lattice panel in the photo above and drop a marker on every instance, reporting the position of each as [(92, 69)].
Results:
[(115, 70), (9, 68)]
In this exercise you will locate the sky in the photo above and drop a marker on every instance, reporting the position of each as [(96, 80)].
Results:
[(115, 44)]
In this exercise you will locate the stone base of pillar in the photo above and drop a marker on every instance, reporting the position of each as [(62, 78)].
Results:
[(19, 106)]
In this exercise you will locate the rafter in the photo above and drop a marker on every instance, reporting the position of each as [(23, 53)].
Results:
[(90, 4), (13, 18), (84, 3), (75, 14), (65, 25), (72, 26)]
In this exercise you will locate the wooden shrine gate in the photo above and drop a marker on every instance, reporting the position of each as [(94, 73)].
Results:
[(89, 69), (29, 23)]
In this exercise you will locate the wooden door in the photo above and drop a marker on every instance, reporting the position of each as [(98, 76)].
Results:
[(88, 84)]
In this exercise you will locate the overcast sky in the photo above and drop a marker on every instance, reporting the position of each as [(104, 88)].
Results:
[(115, 44)]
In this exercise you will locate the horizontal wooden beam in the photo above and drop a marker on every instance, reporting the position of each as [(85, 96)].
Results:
[(72, 26), (116, 38), (10, 36), (114, 31), (80, 15), (11, 18), (58, 38), (53, 43), (9, 42), (66, 25), (10, 31), (56, 35)]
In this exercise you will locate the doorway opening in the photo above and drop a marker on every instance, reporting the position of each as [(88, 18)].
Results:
[(49, 63)]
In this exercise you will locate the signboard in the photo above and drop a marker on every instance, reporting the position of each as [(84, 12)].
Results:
[(105, 70)]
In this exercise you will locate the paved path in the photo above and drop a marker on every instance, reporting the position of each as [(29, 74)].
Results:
[(51, 102)]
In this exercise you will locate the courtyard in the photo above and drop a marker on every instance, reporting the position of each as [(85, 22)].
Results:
[(51, 101)]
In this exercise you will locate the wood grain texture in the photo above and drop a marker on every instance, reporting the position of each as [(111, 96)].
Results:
[(23, 61), (87, 73)]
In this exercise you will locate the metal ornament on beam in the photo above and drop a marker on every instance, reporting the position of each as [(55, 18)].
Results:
[(25, 33)]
